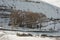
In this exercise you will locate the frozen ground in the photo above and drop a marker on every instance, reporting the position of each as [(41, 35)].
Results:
[(4, 24), (43, 7), (14, 37), (6, 36), (49, 9), (5, 21)]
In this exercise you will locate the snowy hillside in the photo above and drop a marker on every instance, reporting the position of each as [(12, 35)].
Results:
[(53, 2), (48, 9), (4, 35)]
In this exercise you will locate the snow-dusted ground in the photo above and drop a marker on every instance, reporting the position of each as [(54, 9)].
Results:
[(43, 7), (5, 21), (11, 35), (4, 35), (53, 2), (14, 37), (50, 10)]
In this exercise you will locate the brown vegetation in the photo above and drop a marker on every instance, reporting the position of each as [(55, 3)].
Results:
[(22, 18)]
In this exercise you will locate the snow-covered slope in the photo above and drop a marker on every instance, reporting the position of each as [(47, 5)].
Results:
[(14, 37), (46, 8), (53, 2), (8, 36)]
